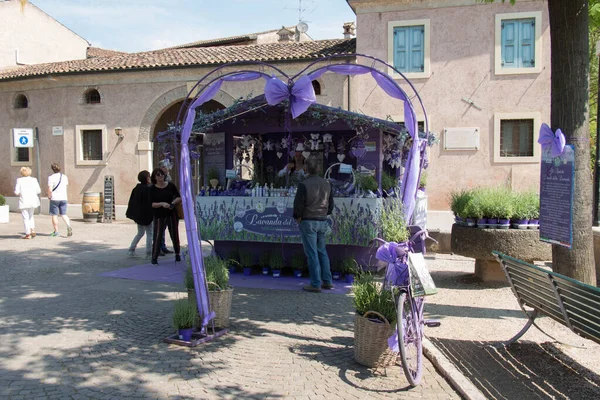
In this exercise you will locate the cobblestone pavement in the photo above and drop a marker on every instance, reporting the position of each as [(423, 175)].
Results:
[(66, 333)]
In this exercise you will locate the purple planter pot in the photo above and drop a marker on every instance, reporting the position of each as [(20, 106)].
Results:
[(503, 223), (231, 270), (492, 221), (298, 273), (471, 221), (185, 334), (247, 271), (534, 224), (336, 276), (519, 223), (265, 270), (349, 278), (276, 273), (482, 223)]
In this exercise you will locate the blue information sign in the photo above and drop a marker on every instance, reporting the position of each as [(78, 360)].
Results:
[(556, 197)]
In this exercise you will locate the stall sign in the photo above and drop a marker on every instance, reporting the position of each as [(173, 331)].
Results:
[(345, 169), (370, 146), (230, 174), (267, 220), (23, 137), (556, 197)]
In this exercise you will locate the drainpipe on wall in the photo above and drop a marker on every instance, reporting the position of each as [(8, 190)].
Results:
[(37, 162)]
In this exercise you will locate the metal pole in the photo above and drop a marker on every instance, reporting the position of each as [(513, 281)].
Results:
[(37, 163), (596, 170)]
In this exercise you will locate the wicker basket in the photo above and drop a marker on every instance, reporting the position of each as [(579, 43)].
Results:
[(220, 303), (370, 341)]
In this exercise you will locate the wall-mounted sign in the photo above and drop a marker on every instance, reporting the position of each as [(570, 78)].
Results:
[(57, 131), (230, 173), (370, 146), (23, 137), (345, 169), (461, 138)]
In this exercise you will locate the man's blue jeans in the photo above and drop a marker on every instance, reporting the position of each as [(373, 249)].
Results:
[(313, 240)]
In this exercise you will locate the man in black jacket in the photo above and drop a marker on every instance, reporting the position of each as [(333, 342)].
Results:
[(312, 204)]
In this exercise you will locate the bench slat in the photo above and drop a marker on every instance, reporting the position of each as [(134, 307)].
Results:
[(541, 284), (544, 305), (587, 332), (591, 295)]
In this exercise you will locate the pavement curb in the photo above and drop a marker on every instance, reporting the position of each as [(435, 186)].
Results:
[(456, 378)]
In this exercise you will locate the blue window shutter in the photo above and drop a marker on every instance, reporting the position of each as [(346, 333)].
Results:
[(527, 42), (509, 41), (400, 48), (417, 49)]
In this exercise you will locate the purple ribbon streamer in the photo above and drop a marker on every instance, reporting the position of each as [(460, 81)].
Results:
[(555, 141)]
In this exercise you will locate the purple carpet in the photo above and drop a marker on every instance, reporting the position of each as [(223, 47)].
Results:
[(172, 272)]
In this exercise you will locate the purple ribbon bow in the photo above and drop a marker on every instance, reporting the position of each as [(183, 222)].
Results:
[(301, 94), (555, 140)]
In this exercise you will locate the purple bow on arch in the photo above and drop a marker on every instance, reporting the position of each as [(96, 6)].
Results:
[(300, 93), (554, 140)]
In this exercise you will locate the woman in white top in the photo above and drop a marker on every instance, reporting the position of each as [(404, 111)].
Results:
[(28, 190)]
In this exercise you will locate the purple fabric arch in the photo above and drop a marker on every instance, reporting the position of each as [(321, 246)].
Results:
[(301, 95)]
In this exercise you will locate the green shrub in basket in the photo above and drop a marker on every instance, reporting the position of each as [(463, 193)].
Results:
[(369, 295)]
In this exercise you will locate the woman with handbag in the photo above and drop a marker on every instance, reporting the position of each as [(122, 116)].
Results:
[(164, 197), (140, 210)]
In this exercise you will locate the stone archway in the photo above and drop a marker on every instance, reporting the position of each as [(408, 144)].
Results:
[(154, 113)]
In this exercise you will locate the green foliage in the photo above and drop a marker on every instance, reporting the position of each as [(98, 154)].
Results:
[(370, 296), (388, 181), (299, 262), (494, 202), (276, 260), (216, 273), (497, 202), (213, 173), (393, 225), (264, 259), (246, 258), (350, 266), (185, 314), (423, 180), (2, 200), (459, 199), (367, 182)]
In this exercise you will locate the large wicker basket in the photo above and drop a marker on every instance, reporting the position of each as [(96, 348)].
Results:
[(370, 341), (220, 303)]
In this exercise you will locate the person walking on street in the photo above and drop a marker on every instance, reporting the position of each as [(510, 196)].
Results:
[(165, 166), (164, 197), (140, 210), (312, 204), (28, 190), (57, 194)]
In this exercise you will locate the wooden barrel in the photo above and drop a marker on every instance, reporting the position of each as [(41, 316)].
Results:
[(90, 206)]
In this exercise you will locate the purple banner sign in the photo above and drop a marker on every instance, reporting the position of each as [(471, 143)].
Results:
[(556, 197), (214, 155), (267, 221)]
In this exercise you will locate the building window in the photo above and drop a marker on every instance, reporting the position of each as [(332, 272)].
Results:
[(92, 96), (21, 101), (518, 43), (20, 156), (92, 142), (515, 137), (317, 87), (408, 48)]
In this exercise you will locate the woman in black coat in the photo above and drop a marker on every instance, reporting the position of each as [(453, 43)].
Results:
[(164, 197), (140, 210)]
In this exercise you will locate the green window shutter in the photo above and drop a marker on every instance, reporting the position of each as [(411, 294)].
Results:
[(417, 49), (400, 48), (509, 41), (527, 43)]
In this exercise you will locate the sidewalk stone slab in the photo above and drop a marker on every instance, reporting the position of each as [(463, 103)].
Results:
[(67, 333)]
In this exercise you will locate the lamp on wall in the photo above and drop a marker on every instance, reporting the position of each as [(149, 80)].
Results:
[(119, 132)]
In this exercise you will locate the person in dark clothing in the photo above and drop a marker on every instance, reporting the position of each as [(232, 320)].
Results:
[(312, 204), (164, 196), (140, 210)]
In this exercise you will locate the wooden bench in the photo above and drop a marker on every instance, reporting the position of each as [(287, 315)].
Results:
[(566, 300)]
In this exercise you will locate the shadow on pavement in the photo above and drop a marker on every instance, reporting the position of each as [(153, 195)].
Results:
[(523, 370)]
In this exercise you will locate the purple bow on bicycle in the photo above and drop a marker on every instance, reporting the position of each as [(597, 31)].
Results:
[(395, 255)]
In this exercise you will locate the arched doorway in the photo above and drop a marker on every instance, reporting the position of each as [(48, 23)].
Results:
[(169, 116)]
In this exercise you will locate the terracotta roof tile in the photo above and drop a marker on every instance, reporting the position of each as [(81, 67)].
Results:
[(98, 52), (269, 52)]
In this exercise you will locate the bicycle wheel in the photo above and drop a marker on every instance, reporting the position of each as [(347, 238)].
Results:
[(409, 339)]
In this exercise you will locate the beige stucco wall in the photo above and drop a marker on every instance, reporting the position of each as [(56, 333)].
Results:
[(33, 37), (462, 65), (133, 101)]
